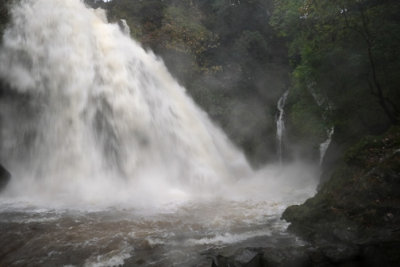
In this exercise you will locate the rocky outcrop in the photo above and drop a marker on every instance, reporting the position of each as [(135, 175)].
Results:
[(355, 216), (293, 256), (5, 177)]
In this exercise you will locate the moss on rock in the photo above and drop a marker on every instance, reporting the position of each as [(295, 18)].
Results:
[(360, 204)]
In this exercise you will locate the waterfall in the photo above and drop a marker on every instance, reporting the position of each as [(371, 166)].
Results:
[(323, 147), (112, 162), (280, 124), (322, 102), (98, 117), (124, 27)]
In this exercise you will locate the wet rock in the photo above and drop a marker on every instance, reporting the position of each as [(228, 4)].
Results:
[(221, 261), (287, 257), (246, 257), (257, 261), (388, 217), (382, 254), (339, 253), (5, 177)]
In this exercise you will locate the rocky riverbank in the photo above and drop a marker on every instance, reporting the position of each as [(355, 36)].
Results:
[(355, 216)]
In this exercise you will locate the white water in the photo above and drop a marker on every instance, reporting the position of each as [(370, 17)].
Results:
[(104, 117), (322, 102), (111, 160), (323, 147), (125, 27), (280, 123), (96, 120)]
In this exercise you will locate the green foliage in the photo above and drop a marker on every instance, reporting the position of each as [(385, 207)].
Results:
[(251, 45), (344, 50), (305, 123), (372, 147)]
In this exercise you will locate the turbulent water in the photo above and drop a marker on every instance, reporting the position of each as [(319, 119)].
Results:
[(112, 162)]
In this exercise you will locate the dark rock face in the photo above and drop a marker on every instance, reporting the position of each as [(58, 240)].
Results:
[(5, 177), (243, 257), (355, 216), (300, 256)]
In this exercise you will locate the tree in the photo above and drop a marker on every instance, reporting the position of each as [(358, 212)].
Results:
[(345, 50)]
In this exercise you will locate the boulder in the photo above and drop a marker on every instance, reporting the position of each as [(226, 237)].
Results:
[(5, 177)]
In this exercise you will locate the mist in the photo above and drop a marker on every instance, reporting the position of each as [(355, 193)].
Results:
[(94, 126), (119, 137)]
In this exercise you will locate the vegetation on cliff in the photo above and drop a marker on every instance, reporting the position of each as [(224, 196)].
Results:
[(345, 55), (360, 205)]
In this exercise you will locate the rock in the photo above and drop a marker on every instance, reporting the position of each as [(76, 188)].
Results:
[(5, 177), (292, 256), (388, 217), (246, 257), (287, 257), (257, 261), (221, 261), (354, 218), (382, 254), (339, 253)]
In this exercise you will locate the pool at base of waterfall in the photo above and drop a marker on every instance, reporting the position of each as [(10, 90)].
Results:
[(185, 235)]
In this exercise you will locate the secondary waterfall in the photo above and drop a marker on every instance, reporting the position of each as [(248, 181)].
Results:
[(280, 124), (322, 102), (323, 147), (95, 116)]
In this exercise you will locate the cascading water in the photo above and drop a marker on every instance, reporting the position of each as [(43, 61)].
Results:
[(323, 147), (101, 109), (321, 102), (112, 162), (124, 27), (280, 123)]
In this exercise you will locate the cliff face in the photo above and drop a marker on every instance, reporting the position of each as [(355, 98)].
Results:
[(356, 213)]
